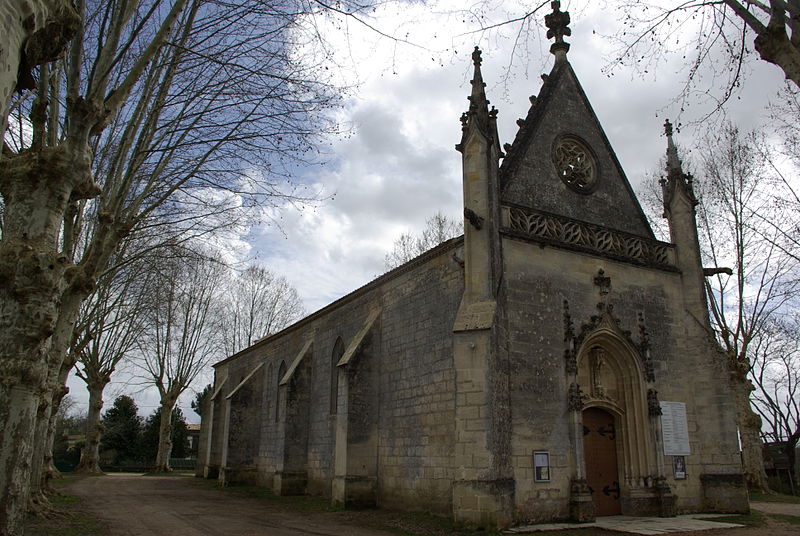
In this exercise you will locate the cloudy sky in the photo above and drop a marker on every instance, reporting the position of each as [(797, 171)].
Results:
[(397, 164)]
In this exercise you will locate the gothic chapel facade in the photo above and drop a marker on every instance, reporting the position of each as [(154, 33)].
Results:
[(555, 362)]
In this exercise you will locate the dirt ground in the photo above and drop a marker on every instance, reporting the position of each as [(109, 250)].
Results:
[(135, 505)]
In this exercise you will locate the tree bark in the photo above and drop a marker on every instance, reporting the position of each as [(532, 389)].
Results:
[(164, 438), (58, 367), (774, 46), (36, 187), (90, 457), (38, 504), (18, 405), (37, 32), (49, 470), (750, 436)]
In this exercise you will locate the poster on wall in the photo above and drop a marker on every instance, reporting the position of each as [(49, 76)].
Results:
[(675, 429), (679, 467)]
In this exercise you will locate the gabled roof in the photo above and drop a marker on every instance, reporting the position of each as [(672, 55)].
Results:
[(528, 175)]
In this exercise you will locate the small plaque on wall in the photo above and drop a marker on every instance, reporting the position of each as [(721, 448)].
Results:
[(541, 466), (675, 429), (679, 467)]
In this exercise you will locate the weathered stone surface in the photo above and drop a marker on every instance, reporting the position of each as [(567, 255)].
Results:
[(432, 387)]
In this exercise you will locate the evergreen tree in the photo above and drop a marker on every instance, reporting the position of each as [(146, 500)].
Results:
[(122, 429), (200, 400), (180, 435)]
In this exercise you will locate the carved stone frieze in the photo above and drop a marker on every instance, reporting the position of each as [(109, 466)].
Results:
[(540, 225)]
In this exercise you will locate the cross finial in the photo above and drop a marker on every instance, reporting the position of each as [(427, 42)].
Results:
[(476, 57), (557, 24)]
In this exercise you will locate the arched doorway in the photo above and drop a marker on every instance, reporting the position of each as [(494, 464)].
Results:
[(612, 390), (600, 453)]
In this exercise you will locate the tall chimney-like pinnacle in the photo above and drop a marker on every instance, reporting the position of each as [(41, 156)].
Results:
[(673, 162), (676, 178), (557, 24), (478, 97)]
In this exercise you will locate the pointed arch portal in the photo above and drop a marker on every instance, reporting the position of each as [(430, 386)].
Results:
[(619, 455)]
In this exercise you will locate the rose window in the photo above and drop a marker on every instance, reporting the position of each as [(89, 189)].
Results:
[(575, 165)]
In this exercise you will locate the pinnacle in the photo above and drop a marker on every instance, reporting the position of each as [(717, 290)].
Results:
[(478, 97), (673, 162)]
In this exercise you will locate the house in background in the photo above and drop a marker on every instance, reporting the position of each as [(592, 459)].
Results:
[(193, 437), (555, 362)]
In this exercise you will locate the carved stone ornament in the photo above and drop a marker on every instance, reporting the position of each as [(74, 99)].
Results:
[(603, 282), (597, 363), (575, 164), (644, 350), (569, 331), (570, 362), (474, 220), (570, 359), (550, 228), (557, 23), (653, 406), (574, 397)]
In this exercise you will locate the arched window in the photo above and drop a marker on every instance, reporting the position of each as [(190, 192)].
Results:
[(278, 392), (338, 351)]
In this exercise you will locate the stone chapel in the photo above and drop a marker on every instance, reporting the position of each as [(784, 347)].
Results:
[(555, 362)]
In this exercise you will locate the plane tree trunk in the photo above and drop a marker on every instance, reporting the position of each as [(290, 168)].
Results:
[(750, 436), (90, 456), (165, 436), (36, 185)]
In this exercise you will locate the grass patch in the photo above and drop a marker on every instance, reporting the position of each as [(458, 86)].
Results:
[(176, 472), (76, 524), (412, 524), (773, 497), (293, 503), (422, 524), (70, 521), (753, 519), (785, 518)]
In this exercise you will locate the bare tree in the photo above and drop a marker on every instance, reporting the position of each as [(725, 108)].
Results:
[(775, 359), (178, 115), (439, 228), (109, 325), (736, 199), (258, 303), (712, 31), (785, 119), (180, 335), (713, 39)]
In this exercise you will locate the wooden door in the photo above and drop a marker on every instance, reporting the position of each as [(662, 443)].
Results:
[(600, 450)]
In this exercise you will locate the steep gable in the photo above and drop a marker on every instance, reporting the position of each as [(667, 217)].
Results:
[(562, 129)]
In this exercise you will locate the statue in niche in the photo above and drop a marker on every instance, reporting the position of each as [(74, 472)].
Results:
[(597, 365)]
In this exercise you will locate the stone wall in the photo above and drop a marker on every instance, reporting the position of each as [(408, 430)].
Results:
[(397, 390), (686, 368)]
